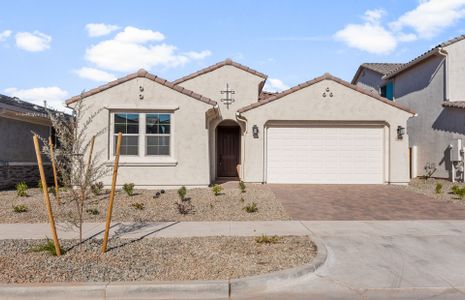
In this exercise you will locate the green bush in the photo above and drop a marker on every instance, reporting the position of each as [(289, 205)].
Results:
[(216, 189), (455, 188), (438, 188), (21, 189), (265, 239), (39, 185), (128, 188), (251, 208), (20, 208), (242, 186), (93, 211), (97, 188), (460, 192), (48, 246), (138, 205), (182, 192)]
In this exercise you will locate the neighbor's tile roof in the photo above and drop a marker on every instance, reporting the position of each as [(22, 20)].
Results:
[(326, 76), (226, 62), (424, 56), (265, 95), (21, 105), (142, 74), (454, 104), (382, 68)]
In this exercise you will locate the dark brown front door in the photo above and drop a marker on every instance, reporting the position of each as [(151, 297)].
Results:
[(228, 151)]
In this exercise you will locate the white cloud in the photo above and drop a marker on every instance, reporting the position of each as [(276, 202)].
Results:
[(431, 17), (4, 35), (53, 95), (374, 15), (33, 41), (134, 48), (100, 29), (275, 85), (95, 74)]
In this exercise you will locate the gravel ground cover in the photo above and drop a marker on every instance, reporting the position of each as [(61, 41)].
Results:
[(428, 187), (197, 258), (228, 206)]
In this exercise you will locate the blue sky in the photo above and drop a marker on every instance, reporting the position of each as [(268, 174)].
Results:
[(55, 49)]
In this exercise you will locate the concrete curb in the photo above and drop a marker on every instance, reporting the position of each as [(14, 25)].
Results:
[(200, 289)]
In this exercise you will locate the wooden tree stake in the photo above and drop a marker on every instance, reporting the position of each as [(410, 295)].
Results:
[(55, 179), (51, 220), (112, 193)]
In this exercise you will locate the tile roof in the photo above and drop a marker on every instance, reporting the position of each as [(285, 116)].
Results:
[(326, 76), (142, 74), (382, 68), (21, 105), (265, 95), (454, 104), (424, 56), (226, 62)]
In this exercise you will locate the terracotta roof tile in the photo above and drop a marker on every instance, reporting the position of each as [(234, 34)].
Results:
[(226, 62), (141, 74), (326, 76)]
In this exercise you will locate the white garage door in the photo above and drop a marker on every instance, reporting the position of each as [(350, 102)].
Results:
[(337, 155)]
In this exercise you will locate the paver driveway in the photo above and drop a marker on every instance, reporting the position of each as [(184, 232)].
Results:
[(362, 202)]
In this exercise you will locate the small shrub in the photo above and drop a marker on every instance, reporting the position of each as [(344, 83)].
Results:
[(20, 208), (265, 239), (49, 247), (182, 192), (460, 192), (97, 188), (251, 208), (216, 189), (39, 185), (21, 189), (242, 186), (455, 188), (93, 211), (185, 207), (430, 168), (128, 188), (138, 205), (51, 190), (438, 188)]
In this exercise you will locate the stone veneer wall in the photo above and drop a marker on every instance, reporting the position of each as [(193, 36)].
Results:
[(10, 175)]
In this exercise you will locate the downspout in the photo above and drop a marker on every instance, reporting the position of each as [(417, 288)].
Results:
[(444, 53), (241, 118)]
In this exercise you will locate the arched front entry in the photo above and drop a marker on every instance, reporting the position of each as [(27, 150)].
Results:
[(228, 149)]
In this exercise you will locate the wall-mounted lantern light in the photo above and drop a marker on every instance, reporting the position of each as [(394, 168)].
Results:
[(400, 132), (255, 131)]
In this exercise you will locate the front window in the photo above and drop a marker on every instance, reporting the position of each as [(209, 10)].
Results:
[(128, 125), (157, 132)]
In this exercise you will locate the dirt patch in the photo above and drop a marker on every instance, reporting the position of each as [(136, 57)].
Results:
[(198, 258), (428, 187)]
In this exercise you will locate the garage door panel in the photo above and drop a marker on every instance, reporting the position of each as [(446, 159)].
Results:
[(325, 155)]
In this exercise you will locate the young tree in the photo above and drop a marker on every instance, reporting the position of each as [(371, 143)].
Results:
[(77, 171)]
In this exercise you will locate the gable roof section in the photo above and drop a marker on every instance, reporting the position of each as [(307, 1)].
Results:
[(326, 76), (226, 62), (423, 56), (142, 74), (380, 68)]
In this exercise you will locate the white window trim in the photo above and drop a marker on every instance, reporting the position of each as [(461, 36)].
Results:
[(142, 159)]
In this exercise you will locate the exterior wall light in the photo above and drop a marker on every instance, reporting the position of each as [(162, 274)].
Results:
[(400, 132), (255, 131)]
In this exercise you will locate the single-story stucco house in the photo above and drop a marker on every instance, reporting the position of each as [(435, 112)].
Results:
[(219, 123), (18, 161)]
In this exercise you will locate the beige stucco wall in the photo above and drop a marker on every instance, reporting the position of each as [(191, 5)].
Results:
[(188, 164), (346, 106), (456, 70)]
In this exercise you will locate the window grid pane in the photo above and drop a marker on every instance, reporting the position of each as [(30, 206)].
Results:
[(128, 125), (158, 129)]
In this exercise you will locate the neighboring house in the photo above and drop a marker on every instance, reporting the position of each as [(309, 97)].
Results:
[(433, 86), (18, 161), (218, 123)]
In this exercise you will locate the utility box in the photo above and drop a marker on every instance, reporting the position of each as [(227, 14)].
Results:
[(456, 150)]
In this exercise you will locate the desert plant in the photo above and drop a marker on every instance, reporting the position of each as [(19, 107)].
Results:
[(93, 211), (138, 205), (266, 239), (21, 189), (430, 168), (242, 186), (454, 189), (182, 192), (216, 189), (184, 207), (97, 188), (48, 246), (251, 208), (438, 188), (52, 190), (20, 208), (460, 192), (39, 185), (128, 188), (76, 171)]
